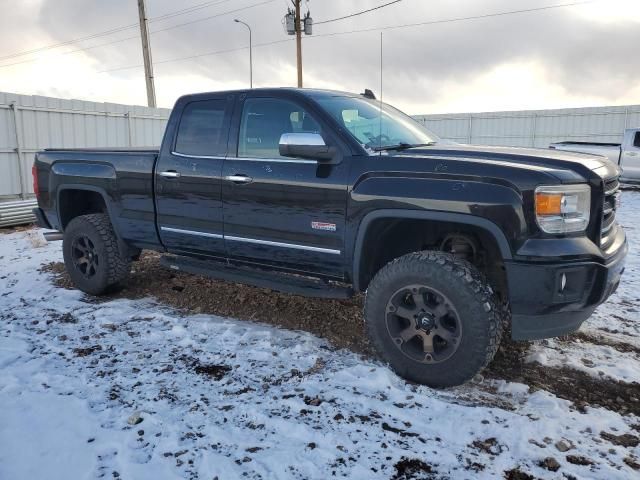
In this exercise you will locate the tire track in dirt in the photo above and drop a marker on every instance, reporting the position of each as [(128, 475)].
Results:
[(574, 385)]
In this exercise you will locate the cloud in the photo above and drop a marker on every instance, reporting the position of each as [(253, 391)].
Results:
[(562, 57)]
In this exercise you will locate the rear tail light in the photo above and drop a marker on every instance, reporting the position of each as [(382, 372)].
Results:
[(34, 173)]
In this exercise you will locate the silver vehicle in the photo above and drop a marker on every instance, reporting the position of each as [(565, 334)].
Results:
[(626, 154)]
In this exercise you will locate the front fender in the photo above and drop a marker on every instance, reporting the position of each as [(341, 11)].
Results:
[(488, 226), (495, 208)]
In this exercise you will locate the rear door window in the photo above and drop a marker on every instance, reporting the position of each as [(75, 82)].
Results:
[(202, 130)]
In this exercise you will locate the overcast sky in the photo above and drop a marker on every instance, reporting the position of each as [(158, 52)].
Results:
[(584, 55)]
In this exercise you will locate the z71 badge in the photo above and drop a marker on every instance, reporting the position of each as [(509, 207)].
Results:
[(330, 227)]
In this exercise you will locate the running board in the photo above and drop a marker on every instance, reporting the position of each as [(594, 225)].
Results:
[(282, 282)]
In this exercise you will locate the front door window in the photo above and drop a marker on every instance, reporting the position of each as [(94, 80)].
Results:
[(263, 122)]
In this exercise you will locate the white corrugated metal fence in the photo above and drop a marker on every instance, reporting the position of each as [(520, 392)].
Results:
[(32, 123), (535, 128)]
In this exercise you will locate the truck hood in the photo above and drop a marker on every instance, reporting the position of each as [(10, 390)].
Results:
[(520, 157)]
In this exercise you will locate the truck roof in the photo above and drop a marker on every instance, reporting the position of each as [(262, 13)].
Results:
[(307, 92)]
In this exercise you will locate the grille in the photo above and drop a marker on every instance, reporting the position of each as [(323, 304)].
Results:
[(611, 192)]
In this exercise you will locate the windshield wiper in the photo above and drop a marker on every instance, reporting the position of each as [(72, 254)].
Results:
[(402, 146)]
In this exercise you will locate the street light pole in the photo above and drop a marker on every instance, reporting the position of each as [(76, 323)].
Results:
[(250, 52)]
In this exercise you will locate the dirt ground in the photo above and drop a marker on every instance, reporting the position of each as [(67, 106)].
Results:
[(16, 228), (341, 323)]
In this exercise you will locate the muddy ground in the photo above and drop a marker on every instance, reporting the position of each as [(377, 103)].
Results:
[(341, 323)]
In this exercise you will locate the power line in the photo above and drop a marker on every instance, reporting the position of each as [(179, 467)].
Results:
[(461, 19), (166, 16), (69, 42), (357, 13), (206, 54), (391, 27), (152, 32), (187, 10), (197, 20), (84, 49)]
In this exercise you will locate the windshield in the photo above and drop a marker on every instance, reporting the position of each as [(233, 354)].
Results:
[(361, 117)]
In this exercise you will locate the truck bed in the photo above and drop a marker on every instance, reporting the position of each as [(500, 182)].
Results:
[(625, 154), (610, 150), (599, 144), (155, 150), (122, 177)]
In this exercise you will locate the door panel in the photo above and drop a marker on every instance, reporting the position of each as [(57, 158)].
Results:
[(290, 215), (291, 212), (188, 179)]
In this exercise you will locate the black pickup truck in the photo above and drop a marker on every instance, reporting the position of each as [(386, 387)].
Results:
[(327, 194)]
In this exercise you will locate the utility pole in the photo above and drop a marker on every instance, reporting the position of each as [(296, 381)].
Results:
[(298, 43), (294, 25), (146, 53)]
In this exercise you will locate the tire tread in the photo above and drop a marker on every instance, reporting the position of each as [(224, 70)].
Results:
[(117, 265), (495, 312)]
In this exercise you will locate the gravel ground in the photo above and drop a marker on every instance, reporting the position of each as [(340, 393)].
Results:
[(341, 323)]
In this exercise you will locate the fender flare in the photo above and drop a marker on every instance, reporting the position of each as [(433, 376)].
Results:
[(88, 188), (483, 223), (125, 249)]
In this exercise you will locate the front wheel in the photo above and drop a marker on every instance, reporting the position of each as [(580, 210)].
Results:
[(434, 318), (91, 254)]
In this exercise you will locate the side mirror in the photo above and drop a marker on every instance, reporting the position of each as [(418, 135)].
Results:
[(305, 145)]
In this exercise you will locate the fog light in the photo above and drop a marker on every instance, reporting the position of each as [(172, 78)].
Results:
[(572, 284)]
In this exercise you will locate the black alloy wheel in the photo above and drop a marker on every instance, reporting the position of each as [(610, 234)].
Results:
[(423, 323), (85, 256)]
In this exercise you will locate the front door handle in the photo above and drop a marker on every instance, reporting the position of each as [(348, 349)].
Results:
[(239, 178), (169, 174)]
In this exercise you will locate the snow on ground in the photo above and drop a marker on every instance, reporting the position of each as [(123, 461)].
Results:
[(620, 315), (596, 360), (618, 320), (221, 398)]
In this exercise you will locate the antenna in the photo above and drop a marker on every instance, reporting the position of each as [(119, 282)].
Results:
[(380, 129)]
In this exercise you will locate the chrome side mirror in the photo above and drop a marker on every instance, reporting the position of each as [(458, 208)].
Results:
[(304, 145)]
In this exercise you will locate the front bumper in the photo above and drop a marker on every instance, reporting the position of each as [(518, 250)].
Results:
[(549, 299)]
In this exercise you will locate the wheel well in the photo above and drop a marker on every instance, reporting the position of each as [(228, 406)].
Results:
[(390, 238), (73, 203)]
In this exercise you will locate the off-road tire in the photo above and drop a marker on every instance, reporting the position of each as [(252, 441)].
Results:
[(480, 312), (112, 267)]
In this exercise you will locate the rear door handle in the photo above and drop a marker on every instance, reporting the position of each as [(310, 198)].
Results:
[(239, 178), (169, 174)]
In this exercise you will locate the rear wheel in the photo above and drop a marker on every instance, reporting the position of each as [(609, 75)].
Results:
[(91, 254), (434, 318)]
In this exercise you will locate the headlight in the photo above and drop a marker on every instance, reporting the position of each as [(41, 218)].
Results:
[(563, 208)]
